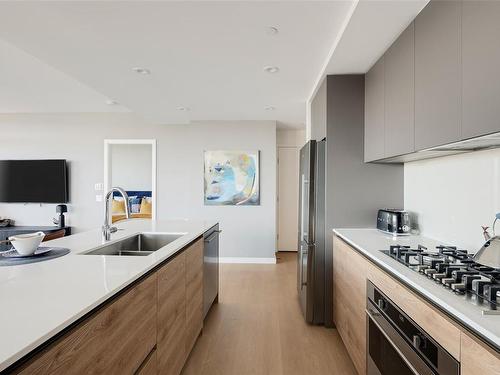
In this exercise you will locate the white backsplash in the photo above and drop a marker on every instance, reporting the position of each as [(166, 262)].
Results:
[(454, 195)]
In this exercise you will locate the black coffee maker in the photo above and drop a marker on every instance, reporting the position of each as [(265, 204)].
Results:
[(61, 221)]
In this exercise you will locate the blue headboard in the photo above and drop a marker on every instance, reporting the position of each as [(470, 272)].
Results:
[(132, 193)]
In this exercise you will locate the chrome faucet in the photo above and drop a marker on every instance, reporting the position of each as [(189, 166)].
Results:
[(107, 229)]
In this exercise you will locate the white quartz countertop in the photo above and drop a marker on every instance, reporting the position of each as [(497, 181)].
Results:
[(39, 300), (370, 241)]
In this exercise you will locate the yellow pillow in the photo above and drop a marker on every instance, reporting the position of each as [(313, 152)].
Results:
[(117, 207), (145, 207)]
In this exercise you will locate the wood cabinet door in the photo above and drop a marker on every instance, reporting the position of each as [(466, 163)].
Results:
[(477, 359), (114, 340), (399, 95), (150, 365), (171, 341), (350, 271), (437, 74), (194, 293), (374, 113), (480, 62)]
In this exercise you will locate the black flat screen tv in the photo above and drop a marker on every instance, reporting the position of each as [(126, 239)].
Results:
[(33, 181)]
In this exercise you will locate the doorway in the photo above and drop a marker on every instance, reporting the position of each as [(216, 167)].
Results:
[(131, 165), (288, 198)]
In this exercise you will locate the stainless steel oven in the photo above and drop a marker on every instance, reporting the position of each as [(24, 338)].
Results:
[(397, 345)]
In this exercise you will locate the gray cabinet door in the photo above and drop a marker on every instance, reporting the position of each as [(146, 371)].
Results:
[(437, 74), (480, 64), (374, 112), (399, 95)]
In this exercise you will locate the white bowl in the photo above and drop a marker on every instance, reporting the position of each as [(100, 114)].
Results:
[(26, 244)]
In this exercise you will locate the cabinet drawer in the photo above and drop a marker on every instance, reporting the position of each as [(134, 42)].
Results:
[(114, 340), (477, 358)]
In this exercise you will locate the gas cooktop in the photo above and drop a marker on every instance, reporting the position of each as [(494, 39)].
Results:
[(454, 269)]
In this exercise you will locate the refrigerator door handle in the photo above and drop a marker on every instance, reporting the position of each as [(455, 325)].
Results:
[(303, 234), (302, 282), (305, 254)]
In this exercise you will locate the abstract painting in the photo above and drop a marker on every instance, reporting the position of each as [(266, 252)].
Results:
[(232, 178)]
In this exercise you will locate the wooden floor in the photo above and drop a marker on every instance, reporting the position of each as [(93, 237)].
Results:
[(257, 328)]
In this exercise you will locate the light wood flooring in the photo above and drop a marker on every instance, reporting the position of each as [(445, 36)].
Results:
[(258, 328)]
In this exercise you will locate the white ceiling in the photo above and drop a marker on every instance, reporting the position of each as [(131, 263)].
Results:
[(371, 29), (205, 55), (208, 56), (29, 85)]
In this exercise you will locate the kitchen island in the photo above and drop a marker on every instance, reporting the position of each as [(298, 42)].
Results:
[(42, 303)]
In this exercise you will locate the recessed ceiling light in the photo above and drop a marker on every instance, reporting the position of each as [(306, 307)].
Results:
[(271, 30), (271, 69), (184, 109), (140, 70), (111, 102), (270, 108)]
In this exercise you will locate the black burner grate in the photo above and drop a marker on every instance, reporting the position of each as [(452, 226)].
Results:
[(454, 269)]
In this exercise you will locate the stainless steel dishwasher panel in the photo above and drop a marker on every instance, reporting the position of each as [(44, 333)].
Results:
[(210, 268)]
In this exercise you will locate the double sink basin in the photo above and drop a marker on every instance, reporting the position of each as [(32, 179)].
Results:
[(141, 244)]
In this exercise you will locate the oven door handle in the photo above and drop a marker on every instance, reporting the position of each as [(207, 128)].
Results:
[(375, 316)]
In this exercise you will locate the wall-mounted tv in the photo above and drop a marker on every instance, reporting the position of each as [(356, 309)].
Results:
[(33, 181)]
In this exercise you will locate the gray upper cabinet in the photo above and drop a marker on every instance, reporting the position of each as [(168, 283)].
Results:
[(437, 74), (374, 113), (399, 95), (480, 64)]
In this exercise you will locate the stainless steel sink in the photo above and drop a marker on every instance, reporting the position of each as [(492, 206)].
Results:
[(139, 245)]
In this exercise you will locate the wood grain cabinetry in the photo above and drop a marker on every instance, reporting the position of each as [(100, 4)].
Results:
[(114, 340), (477, 358), (148, 329), (194, 293), (351, 272), (180, 308), (172, 316), (150, 365), (349, 283)]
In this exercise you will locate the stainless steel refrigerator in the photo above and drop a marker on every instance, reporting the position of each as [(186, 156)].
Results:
[(311, 254)]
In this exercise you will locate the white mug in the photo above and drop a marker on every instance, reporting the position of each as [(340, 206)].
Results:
[(26, 244)]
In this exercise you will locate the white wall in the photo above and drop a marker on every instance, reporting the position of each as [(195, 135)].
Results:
[(130, 166), (248, 231), (290, 138), (454, 195)]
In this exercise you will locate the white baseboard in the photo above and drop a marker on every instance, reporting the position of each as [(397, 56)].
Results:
[(247, 260)]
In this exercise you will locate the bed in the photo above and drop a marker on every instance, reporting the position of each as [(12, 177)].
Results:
[(140, 205)]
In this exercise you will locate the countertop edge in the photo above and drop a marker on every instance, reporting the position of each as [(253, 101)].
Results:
[(33, 346), (443, 307)]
